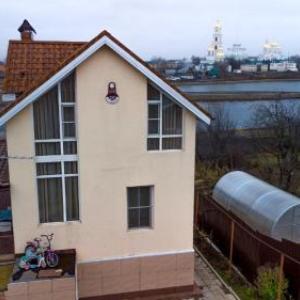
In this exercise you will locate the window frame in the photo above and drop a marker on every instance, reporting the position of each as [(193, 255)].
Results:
[(151, 208), (160, 136), (60, 158)]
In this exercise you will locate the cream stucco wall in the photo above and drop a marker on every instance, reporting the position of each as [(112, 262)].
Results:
[(112, 156)]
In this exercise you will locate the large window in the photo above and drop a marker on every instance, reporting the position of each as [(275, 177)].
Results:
[(139, 201), (56, 153), (164, 122)]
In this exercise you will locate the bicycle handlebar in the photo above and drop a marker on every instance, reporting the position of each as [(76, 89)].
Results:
[(49, 237)]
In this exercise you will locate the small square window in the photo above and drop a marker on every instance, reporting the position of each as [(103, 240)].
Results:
[(139, 202)]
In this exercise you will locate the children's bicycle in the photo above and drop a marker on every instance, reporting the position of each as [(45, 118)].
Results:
[(38, 254)]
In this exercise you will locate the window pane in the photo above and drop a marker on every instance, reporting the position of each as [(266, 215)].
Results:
[(171, 117), (71, 167), (153, 144), (153, 127), (68, 89), (132, 197), (46, 116), (145, 196), (50, 200), (140, 199), (133, 218), (153, 93), (69, 130), (48, 168), (145, 217), (68, 113), (47, 149), (172, 143), (70, 147), (153, 111), (72, 198)]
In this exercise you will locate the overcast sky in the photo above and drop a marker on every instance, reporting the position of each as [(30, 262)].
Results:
[(168, 28)]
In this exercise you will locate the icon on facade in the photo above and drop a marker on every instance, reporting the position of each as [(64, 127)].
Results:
[(112, 97)]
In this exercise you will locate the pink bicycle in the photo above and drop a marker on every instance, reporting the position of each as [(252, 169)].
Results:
[(42, 248)]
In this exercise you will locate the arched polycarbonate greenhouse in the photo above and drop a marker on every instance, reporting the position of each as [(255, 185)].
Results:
[(261, 206)]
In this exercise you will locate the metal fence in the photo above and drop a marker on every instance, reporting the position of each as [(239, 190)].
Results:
[(245, 248)]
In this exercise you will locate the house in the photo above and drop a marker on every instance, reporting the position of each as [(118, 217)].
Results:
[(108, 155), (248, 68), (283, 66)]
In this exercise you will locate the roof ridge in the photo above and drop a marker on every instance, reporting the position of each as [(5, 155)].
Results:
[(79, 51)]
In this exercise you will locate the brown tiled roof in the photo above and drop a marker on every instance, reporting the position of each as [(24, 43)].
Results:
[(39, 81), (28, 62), (3, 163)]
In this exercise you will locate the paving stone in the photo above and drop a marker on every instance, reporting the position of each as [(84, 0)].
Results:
[(212, 287)]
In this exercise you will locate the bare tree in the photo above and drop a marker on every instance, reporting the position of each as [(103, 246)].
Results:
[(218, 138), (279, 135), (217, 149)]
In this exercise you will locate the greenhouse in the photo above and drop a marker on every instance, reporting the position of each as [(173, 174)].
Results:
[(261, 206)]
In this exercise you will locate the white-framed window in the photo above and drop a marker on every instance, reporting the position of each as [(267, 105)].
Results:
[(140, 207), (164, 122), (56, 153)]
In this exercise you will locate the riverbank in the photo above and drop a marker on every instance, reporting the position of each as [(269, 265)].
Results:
[(241, 96), (246, 78)]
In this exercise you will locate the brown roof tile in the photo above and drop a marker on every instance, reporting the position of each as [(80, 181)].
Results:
[(28, 62)]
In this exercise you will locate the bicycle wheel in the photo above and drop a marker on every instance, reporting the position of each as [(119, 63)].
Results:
[(52, 259)]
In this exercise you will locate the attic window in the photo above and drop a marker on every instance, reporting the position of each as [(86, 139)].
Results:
[(164, 122)]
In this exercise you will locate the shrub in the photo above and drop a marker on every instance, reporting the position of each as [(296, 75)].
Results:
[(267, 283)]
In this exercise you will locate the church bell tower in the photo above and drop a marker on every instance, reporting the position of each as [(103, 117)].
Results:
[(215, 50)]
